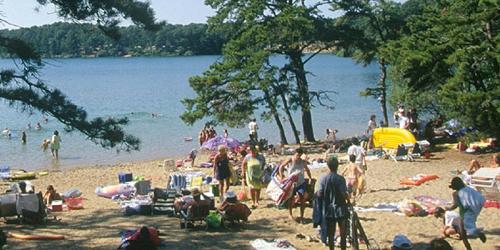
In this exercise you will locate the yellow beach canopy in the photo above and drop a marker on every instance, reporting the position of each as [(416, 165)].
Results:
[(392, 137)]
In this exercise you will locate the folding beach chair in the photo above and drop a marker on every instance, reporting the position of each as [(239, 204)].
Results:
[(163, 201), (487, 181), (195, 213)]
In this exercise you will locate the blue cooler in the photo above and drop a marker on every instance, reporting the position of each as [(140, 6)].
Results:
[(124, 177)]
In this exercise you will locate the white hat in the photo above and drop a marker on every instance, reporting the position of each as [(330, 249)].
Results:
[(401, 242), (230, 194)]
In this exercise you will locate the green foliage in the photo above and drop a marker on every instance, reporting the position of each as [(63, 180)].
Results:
[(259, 30), (452, 57), (22, 87), (86, 40)]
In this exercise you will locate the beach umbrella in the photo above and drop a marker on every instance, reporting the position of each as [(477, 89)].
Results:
[(215, 142)]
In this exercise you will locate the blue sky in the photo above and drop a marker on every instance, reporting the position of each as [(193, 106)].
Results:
[(23, 13)]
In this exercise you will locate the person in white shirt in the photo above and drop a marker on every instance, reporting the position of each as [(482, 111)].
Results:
[(403, 121), (252, 127), (359, 152)]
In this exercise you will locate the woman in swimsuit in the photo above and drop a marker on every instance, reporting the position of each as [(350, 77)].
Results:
[(353, 173)]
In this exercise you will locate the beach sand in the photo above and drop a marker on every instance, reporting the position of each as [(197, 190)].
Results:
[(98, 225)]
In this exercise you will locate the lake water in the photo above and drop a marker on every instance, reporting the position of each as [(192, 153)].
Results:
[(118, 87)]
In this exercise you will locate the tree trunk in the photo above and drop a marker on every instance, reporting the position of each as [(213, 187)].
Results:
[(303, 91), (383, 90), (276, 117), (290, 118)]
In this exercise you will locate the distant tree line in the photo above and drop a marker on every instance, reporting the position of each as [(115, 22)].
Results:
[(87, 40)]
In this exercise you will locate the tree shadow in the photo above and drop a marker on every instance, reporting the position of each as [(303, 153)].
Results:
[(89, 231), (390, 189)]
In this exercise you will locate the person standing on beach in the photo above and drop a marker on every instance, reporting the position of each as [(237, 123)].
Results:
[(252, 169), (331, 206), (55, 145), (359, 152), (372, 125), (296, 165), (470, 203), (252, 127), (221, 170)]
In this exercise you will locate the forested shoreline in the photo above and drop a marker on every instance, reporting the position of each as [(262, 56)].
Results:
[(69, 40)]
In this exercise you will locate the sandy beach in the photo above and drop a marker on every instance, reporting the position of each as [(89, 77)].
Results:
[(97, 226)]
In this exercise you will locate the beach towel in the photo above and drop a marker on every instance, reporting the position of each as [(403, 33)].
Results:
[(281, 191), (379, 207), (317, 165), (417, 180), (430, 203), (125, 189), (275, 244)]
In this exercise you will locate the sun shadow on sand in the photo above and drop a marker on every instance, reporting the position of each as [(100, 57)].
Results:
[(390, 189)]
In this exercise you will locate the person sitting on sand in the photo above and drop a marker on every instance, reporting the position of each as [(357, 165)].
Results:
[(452, 225), (297, 165), (51, 195), (352, 173), (470, 203), (233, 209)]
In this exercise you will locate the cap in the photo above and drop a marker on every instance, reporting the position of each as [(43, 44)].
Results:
[(402, 242)]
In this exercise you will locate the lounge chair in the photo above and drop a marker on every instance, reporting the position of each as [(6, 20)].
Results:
[(487, 181), (195, 213), (401, 154)]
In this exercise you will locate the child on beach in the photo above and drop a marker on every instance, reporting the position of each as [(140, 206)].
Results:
[(45, 145), (50, 195), (352, 173)]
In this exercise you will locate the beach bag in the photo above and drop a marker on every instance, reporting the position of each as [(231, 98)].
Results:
[(242, 195), (214, 220)]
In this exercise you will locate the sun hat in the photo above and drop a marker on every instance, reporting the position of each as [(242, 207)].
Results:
[(230, 194), (195, 192), (401, 242)]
